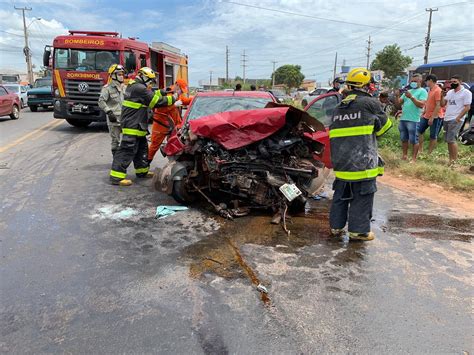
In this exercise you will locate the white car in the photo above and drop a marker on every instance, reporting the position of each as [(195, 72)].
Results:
[(20, 90), (313, 94)]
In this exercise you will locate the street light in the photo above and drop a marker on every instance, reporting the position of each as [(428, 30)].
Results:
[(34, 19)]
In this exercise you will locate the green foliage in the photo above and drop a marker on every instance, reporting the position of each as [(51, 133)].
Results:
[(391, 61), (429, 167), (289, 75)]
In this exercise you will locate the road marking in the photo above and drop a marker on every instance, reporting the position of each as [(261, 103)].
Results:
[(20, 140)]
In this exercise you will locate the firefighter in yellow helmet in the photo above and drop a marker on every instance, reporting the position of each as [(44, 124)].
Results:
[(110, 101), (357, 122), (138, 99)]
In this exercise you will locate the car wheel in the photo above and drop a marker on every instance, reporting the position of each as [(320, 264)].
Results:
[(181, 194), (22, 103), (33, 108), (15, 113), (78, 123)]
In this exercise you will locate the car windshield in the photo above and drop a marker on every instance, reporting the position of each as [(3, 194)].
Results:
[(42, 82), (204, 106), (278, 93), (13, 88), (84, 59)]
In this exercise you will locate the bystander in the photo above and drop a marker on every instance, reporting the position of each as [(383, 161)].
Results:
[(431, 113), (458, 102), (412, 103)]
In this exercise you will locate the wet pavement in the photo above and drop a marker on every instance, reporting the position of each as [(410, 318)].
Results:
[(86, 268)]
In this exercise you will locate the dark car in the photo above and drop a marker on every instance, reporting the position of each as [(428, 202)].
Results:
[(41, 94), (9, 104)]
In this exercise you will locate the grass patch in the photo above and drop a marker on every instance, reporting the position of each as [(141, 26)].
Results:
[(429, 167)]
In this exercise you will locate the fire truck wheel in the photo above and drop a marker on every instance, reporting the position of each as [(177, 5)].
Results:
[(78, 123)]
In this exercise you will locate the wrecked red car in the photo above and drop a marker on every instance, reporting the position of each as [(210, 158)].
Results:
[(242, 160)]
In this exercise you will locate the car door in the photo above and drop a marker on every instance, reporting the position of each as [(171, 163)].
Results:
[(5, 102), (322, 108)]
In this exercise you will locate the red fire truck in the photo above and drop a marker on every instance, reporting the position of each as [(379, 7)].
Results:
[(79, 63)]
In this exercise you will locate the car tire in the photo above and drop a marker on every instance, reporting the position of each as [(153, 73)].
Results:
[(22, 103), (298, 205), (15, 112), (33, 108), (181, 194), (78, 123)]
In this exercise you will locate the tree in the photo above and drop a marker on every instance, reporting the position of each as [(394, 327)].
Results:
[(391, 61), (289, 75)]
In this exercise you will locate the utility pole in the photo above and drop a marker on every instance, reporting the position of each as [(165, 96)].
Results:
[(210, 79), (26, 49), (273, 75), (335, 64), (226, 64), (428, 35), (369, 42), (244, 65)]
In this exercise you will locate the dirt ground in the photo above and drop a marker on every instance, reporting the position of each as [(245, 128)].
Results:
[(458, 202)]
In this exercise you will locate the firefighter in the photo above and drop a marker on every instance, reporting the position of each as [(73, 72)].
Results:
[(110, 101), (165, 119), (356, 123), (138, 98), (337, 85)]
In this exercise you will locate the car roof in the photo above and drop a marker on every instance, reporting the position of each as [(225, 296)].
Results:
[(256, 94)]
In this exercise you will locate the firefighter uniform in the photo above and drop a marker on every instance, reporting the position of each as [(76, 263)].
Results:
[(357, 122), (134, 120), (110, 101), (165, 119)]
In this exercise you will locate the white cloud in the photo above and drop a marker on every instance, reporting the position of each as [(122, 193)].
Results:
[(203, 28)]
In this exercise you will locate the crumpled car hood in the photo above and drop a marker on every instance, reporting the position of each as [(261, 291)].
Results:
[(236, 129)]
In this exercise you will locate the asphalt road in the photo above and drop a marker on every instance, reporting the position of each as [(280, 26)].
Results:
[(86, 268)]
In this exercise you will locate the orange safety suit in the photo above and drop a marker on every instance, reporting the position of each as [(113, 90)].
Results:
[(166, 119)]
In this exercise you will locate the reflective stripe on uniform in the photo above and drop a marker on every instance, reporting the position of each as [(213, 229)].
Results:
[(155, 99), (385, 128), (134, 132), (142, 170), (170, 100), (351, 131), (118, 174), (359, 175), (131, 104)]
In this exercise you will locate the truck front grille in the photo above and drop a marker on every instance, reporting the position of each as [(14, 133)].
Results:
[(75, 90)]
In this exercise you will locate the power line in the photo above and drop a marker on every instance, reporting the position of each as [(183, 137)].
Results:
[(13, 34), (307, 16)]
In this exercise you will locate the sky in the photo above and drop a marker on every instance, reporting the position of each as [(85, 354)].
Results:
[(303, 32)]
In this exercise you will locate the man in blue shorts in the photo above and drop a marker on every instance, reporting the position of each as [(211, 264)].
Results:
[(431, 115), (412, 103)]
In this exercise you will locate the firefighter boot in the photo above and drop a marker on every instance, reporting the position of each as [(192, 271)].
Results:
[(362, 236), (337, 233), (124, 182), (148, 175)]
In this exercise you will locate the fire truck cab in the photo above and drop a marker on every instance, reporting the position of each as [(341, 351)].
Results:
[(79, 63)]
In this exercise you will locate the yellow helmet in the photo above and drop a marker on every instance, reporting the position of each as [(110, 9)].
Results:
[(115, 67), (147, 73), (358, 77)]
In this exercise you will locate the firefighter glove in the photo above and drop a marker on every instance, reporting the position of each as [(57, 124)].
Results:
[(178, 103), (112, 117)]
